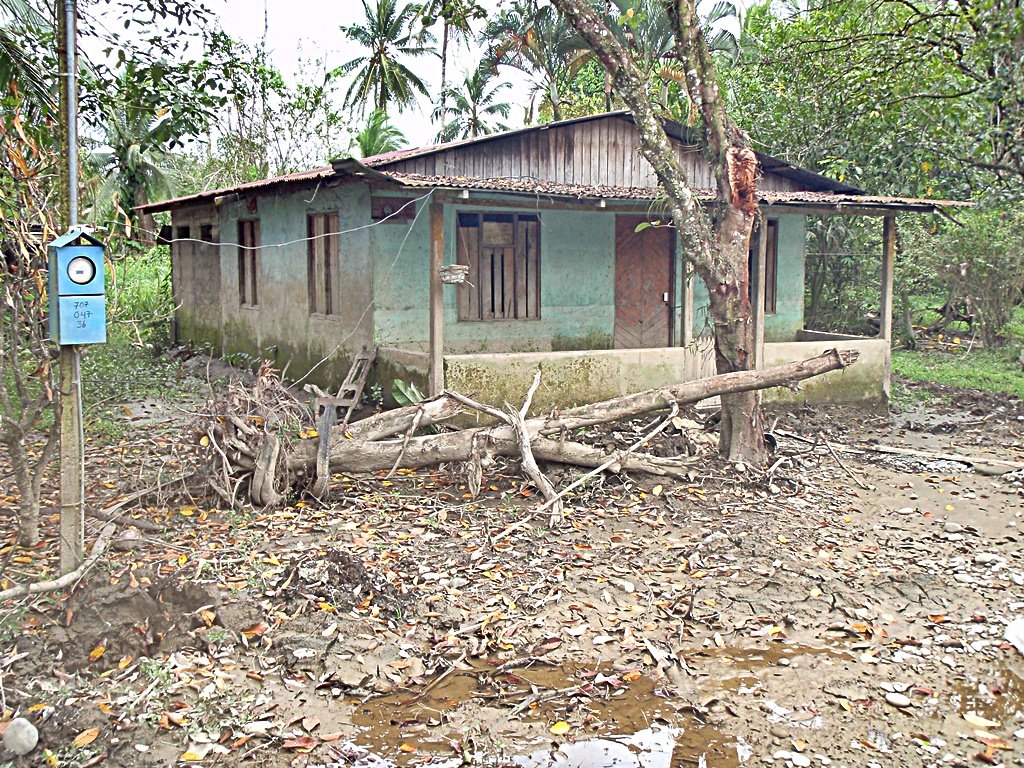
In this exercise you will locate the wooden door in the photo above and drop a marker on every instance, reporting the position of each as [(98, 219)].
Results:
[(643, 284)]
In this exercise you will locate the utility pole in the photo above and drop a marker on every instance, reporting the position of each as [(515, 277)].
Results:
[(72, 440)]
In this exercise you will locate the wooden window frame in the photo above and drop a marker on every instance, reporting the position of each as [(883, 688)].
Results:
[(771, 266), (504, 277), (322, 263), (248, 262)]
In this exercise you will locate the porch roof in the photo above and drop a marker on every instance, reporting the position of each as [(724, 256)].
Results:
[(802, 201)]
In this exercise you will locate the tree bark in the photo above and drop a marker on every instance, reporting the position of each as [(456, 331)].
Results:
[(718, 252)]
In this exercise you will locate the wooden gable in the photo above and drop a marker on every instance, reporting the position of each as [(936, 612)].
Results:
[(601, 151)]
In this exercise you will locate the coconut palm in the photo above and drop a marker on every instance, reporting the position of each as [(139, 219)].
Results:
[(20, 20), (646, 31), (380, 75), (378, 136), (474, 107), (457, 17), (536, 40)]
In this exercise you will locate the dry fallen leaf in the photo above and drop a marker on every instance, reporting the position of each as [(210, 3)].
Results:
[(980, 722), (86, 737), (561, 728), (255, 630), (300, 744), (96, 652)]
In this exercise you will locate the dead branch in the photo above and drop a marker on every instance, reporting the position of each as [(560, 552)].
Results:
[(98, 548), (387, 442), (614, 459), (411, 431)]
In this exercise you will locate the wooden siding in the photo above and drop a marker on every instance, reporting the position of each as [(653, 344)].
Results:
[(595, 152)]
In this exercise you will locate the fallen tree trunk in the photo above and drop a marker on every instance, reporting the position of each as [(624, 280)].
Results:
[(363, 449), (444, 407)]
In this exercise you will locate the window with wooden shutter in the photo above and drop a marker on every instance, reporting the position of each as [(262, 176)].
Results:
[(502, 251), (322, 262), (248, 262)]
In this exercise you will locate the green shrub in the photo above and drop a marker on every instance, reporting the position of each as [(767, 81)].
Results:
[(140, 302)]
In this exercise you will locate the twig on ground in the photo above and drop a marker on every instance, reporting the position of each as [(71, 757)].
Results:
[(850, 472), (67, 579)]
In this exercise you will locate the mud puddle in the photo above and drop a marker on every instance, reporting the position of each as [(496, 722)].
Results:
[(997, 694), (538, 716)]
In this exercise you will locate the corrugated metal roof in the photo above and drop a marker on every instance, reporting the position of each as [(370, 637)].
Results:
[(317, 174), (838, 194)]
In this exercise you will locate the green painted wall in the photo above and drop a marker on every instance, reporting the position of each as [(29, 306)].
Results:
[(788, 319), (390, 261), (577, 286), (281, 328)]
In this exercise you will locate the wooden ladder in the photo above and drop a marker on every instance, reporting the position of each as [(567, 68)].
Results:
[(330, 408), (351, 390)]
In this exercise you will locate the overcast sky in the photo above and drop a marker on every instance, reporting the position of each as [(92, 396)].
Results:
[(309, 29)]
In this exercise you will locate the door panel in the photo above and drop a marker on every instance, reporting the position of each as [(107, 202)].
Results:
[(643, 278)]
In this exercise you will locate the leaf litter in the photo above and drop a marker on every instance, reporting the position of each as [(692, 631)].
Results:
[(753, 615)]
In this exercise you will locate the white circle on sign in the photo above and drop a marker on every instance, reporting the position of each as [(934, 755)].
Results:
[(81, 270)]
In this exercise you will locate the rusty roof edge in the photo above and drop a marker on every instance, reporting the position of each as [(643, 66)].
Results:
[(315, 174)]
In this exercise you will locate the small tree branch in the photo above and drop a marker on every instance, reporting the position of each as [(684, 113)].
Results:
[(68, 578)]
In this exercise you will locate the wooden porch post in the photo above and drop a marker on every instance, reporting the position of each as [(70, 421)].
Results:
[(885, 310), (435, 366), (757, 289)]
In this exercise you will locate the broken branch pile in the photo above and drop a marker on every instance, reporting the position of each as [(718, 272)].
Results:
[(249, 438)]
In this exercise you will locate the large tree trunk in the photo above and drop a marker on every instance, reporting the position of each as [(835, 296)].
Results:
[(241, 453), (742, 430), (719, 251)]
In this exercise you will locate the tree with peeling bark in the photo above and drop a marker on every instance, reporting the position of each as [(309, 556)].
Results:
[(716, 239)]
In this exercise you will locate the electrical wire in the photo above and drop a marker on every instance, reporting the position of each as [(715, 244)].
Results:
[(373, 299), (361, 227)]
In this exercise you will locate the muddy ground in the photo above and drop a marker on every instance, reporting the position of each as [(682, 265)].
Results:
[(842, 608)]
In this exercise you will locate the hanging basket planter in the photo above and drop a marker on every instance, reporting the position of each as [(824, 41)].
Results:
[(454, 274)]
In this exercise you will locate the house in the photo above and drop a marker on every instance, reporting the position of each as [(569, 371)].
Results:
[(310, 268)]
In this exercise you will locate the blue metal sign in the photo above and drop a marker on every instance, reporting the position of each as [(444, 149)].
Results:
[(78, 305)]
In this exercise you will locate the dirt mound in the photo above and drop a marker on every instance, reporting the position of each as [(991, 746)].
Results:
[(129, 619), (342, 581)]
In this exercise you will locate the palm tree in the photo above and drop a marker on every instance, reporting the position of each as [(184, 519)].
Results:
[(378, 136), (20, 71), (644, 29), (129, 164), (380, 76), (457, 17), (536, 40), (474, 105)]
